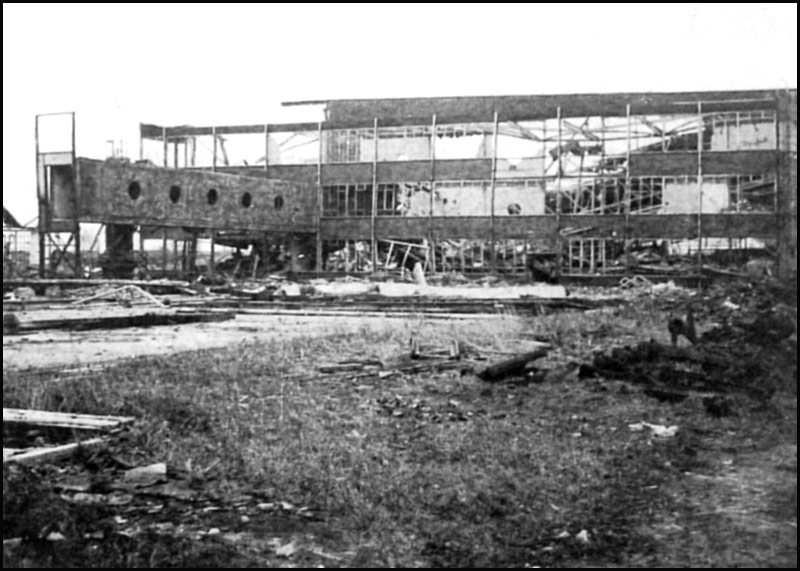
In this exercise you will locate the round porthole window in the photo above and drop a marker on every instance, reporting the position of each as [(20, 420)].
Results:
[(212, 196), (247, 200), (134, 190), (174, 193), (278, 202)]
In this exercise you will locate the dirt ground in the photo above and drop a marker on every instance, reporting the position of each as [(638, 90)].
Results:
[(59, 348)]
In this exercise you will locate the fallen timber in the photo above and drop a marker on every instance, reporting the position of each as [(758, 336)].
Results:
[(68, 283), (531, 306), (149, 319)]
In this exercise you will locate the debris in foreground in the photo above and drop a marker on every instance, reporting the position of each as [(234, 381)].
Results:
[(48, 419), (512, 367), (673, 373), (658, 430)]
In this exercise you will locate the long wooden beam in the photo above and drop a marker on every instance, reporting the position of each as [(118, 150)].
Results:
[(51, 453), (64, 420)]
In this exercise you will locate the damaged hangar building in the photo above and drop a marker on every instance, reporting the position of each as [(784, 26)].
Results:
[(549, 185)]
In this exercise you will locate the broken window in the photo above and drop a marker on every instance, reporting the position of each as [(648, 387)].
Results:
[(646, 194), (462, 198), (522, 149), (595, 195), (295, 148), (519, 197), (667, 133), (740, 193), (340, 200), (742, 130), (464, 141), (681, 195), (412, 143), (348, 146)]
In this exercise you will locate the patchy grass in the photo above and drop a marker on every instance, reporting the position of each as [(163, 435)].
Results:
[(438, 470)]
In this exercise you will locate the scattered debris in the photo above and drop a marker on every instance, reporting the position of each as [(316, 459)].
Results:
[(516, 366), (635, 282), (124, 294), (64, 420), (147, 319), (286, 550), (51, 453), (44, 419), (422, 410), (351, 366), (419, 275), (11, 324), (146, 475), (672, 373), (658, 430)]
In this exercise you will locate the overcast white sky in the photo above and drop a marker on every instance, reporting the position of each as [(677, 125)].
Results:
[(120, 64)]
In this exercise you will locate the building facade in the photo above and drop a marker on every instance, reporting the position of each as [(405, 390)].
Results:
[(589, 184)]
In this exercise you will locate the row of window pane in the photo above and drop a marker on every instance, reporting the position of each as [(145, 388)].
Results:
[(531, 197)]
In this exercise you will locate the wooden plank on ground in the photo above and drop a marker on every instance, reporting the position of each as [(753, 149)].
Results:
[(511, 367), (64, 420), (155, 318), (53, 452)]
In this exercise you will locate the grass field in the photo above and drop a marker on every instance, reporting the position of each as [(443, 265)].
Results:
[(416, 470)]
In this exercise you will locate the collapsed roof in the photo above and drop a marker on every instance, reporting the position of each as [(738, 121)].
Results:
[(9, 221)]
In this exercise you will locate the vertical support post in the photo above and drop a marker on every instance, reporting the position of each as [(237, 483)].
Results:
[(595, 186), (783, 207), (266, 150), (513, 256), (175, 153), (319, 260), (700, 129), (192, 253), (777, 171), (164, 144), (141, 143), (214, 152), (76, 203), (525, 245), (559, 245), (164, 251), (212, 259), (544, 154), (569, 256), (493, 183), (265, 255), (738, 131), (432, 153), (186, 152), (40, 195), (374, 209), (627, 189)]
